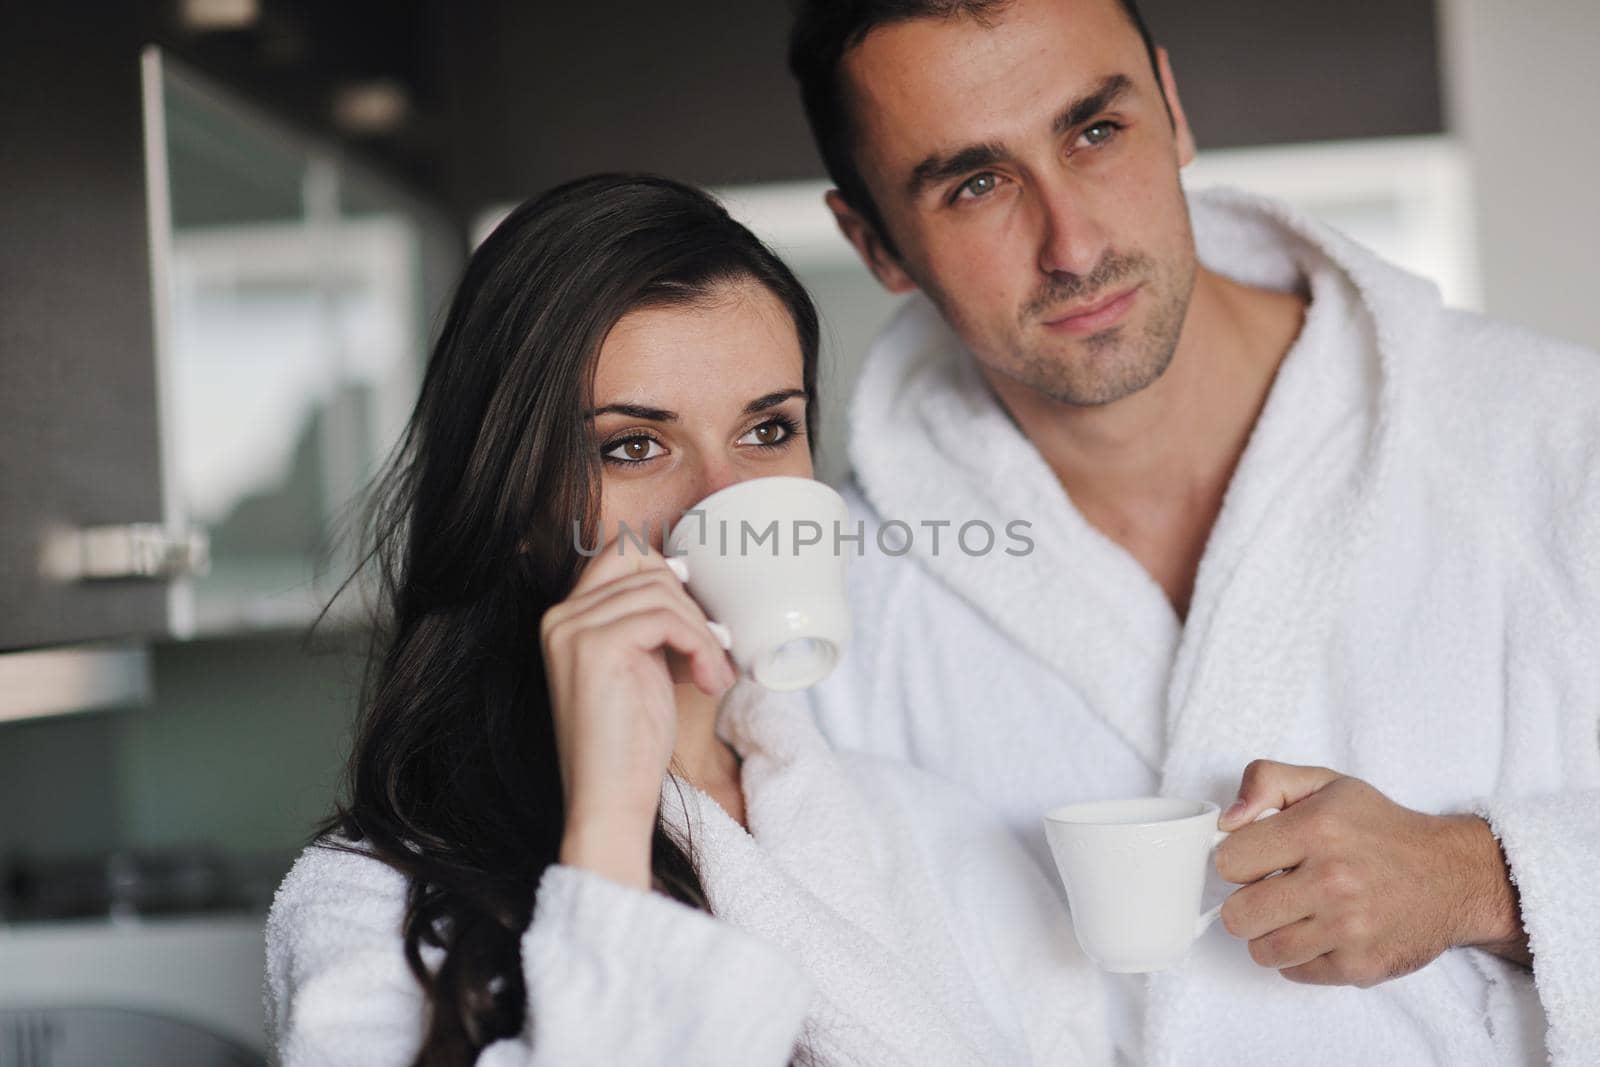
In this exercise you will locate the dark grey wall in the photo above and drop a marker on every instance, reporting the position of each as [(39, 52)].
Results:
[(694, 90), (78, 443), (510, 96), (1256, 72), (537, 93)]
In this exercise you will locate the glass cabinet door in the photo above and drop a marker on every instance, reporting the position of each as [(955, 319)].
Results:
[(297, 292)]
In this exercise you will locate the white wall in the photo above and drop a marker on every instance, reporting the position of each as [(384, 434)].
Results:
[(1523, 96)]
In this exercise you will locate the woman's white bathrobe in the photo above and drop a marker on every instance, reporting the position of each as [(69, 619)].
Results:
[(1403, 585), (872, 915)]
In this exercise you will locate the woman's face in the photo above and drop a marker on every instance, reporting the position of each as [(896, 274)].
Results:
[(689, 398)]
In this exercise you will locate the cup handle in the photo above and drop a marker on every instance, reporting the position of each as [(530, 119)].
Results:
[(1204, 922)]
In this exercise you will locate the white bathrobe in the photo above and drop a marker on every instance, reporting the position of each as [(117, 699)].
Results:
[(1403, 585), (873, 915)]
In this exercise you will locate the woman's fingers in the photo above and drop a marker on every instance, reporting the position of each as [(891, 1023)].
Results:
[(620, 584), (617, 559), (635, 595), (649, 628), (580, 603), (636, 592), (601, 583)]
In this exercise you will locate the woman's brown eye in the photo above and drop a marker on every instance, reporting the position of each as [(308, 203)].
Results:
[(774, 433), (633, 450)]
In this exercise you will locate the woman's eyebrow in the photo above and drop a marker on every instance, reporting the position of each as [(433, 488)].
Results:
[(635, 411), (771, 400)]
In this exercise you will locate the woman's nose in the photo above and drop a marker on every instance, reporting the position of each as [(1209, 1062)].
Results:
[(719, 476), (706, 479)]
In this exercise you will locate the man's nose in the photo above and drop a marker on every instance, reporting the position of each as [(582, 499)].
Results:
[(1071, 238)]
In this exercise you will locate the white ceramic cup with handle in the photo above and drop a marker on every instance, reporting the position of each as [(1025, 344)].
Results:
[(764, 560), (1135, 871)]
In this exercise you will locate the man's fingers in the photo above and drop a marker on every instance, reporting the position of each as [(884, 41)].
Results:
[(1267, 905), (1269, 845), (1322, 970), (1290, 946), (1267, 784)]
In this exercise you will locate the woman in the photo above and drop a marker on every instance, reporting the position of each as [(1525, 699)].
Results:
[(570, 837)]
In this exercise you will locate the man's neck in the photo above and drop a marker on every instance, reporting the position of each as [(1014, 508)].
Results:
[(1150, 470)]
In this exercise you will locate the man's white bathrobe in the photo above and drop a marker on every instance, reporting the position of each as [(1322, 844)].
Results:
[(872, 915), (1403, 585)]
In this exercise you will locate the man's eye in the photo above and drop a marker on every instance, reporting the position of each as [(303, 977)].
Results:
[(1100, 133), (979, 185), (633, 450)]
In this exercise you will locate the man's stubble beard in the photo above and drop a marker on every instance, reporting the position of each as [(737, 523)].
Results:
[(1105, 367)]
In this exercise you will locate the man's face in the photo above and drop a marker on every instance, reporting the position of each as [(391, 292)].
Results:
[(1027, 171)]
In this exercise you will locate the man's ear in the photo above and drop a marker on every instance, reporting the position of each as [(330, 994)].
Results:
[(863, 236), (1180, 124)]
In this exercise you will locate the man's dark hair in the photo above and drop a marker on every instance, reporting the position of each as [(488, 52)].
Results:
[(824, 30)]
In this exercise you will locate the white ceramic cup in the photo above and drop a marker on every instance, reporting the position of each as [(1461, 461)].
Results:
[(764, 561), (1135, 871)]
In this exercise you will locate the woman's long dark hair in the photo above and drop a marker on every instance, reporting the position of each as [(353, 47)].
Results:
[(453, 778)]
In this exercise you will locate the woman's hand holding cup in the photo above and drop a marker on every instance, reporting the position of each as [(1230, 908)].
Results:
[(611, 697)]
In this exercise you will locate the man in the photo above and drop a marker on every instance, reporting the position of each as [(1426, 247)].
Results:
[(1288, 514)]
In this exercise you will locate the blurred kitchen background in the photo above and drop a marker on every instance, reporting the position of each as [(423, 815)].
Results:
[(227, 229)]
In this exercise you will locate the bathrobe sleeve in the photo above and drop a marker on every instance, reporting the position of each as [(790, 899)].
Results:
[(1546, 812), (1552, 845), (613, 975)]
